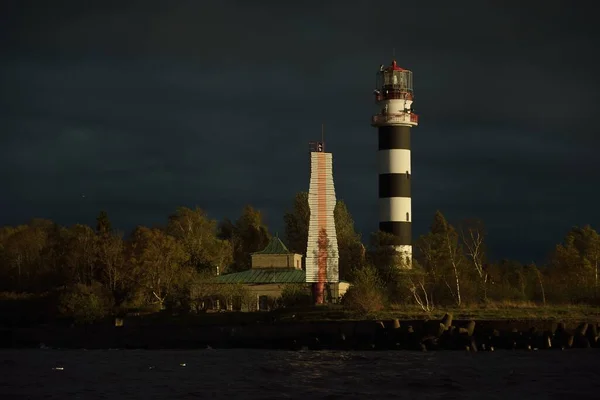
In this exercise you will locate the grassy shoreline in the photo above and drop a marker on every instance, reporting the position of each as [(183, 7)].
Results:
[(16, 311), (522, 312)]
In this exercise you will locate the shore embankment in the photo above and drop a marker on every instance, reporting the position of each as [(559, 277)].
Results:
[(270, 333)]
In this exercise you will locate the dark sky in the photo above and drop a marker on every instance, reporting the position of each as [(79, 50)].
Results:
[(143, 106)]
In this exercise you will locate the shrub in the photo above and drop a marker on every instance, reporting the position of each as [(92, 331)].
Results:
[(365, 296), (135, 300), (85, 304), (295, 295)]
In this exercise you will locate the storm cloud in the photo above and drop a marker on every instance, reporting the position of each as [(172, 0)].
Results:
[(138, 107)]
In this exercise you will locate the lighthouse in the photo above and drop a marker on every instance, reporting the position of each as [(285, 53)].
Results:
[(394, 98), (322, 258)]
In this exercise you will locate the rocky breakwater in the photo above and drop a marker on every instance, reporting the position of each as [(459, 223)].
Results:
[(419, 335), (444, 334)]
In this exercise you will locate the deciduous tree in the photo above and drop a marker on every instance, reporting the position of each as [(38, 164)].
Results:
[(472, 234), (111, 264), (250, 235), (442, 256), (161, 262), (351, 251), (24, 247), (198, 235), (574, 263), (587, 241), (296, 223), (81, 254)]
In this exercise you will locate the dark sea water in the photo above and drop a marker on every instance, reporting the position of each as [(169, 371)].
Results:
[(262, 374)]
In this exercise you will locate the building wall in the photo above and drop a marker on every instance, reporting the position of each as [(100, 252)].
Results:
[(277, 261), (262, 295), (273, 291)]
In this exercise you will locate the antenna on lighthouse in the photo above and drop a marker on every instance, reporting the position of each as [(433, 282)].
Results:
[(318, 146), (323, 135)]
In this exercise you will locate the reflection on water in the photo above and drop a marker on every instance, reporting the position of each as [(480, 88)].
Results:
[(260, 374)]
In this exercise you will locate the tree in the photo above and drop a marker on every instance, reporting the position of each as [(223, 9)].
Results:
[(472, 235), (111, 258), (442, 257), (383, 256), (420, 288), (538, 274), (111, 264), (54, 256), (350, 248), (198, 236), (390, 265), (81, 253), (296, 223), (250, 235), (511, 280), (161, 262), (16, 249), (566, 260), (587, 241), (226, 230), (574, 263), (103, 225), (24, 248), (382, 252)]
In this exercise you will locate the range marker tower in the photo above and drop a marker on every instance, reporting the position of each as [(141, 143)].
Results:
[(394, 96), (322, 248)]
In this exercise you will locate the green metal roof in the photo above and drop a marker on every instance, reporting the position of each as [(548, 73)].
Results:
[(264, 275), (275, 246)]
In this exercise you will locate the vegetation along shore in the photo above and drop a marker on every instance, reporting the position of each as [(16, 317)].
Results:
[(79, 277)]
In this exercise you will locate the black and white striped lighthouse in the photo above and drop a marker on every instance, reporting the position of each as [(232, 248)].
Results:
[(394, 97)]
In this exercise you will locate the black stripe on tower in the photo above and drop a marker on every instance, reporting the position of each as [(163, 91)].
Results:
[(394, 137), (402, 230), (394, 185)]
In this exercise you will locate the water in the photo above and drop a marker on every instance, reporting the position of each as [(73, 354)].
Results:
[(261, 374)]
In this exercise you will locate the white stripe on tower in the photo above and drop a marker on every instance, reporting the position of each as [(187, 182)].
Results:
[(394, 94), (394, 161)]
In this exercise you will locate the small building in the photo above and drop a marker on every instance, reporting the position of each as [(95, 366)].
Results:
[(276, 255), (272, 270)]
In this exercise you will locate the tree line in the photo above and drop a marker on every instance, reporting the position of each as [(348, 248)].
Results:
[(157, 266), (451, 269)]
